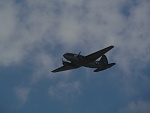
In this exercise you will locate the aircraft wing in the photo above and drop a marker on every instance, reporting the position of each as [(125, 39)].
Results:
[(92, 57), (64, 68)]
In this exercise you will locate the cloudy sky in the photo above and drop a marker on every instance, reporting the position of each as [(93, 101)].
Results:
[(34, 34)]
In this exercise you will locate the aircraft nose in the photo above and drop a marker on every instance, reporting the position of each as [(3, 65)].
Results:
[(64, 55)]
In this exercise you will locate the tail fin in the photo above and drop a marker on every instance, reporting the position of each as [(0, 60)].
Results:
[(104, 59), (104, 63)]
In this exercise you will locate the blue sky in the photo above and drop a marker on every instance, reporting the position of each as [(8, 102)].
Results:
[(35, 34)]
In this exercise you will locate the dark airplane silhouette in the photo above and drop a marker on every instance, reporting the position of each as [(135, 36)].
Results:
[(77, 60)]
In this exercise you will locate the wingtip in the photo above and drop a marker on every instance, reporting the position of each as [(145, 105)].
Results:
[(112, 46), (53, 71)]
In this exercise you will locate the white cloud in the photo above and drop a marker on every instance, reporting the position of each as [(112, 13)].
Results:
[(74, 24), (22, 93), (21, 33), (69, 30), (137, 107), (63, 90), (8, 20), (43, 67), (8, 25)]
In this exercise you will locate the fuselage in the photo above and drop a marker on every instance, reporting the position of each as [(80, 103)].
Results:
[(75, 61), (80, 61)]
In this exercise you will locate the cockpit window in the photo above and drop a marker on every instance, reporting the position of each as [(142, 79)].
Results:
[(71, 54)]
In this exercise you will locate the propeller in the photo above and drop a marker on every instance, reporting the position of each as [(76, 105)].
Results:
[(79, 55)]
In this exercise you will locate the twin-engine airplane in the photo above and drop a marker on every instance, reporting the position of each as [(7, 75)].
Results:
[(77, 60)]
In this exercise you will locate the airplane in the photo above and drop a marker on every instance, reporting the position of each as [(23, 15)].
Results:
[(76, 60)]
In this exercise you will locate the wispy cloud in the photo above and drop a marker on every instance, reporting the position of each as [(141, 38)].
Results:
[(137, 107), (22, 93), (64, 90), (71, 24)]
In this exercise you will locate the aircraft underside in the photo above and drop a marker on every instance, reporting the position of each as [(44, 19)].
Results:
[(76, 60)]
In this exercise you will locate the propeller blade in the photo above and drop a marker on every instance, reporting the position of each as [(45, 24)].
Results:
[(79, 55)]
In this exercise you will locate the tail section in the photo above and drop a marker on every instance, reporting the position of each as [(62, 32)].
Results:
[(110, 65), (104, 60), (104, 67), (104, 63)]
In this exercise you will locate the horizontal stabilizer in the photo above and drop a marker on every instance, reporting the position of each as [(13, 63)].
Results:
[(105, 67), (110, 65)]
